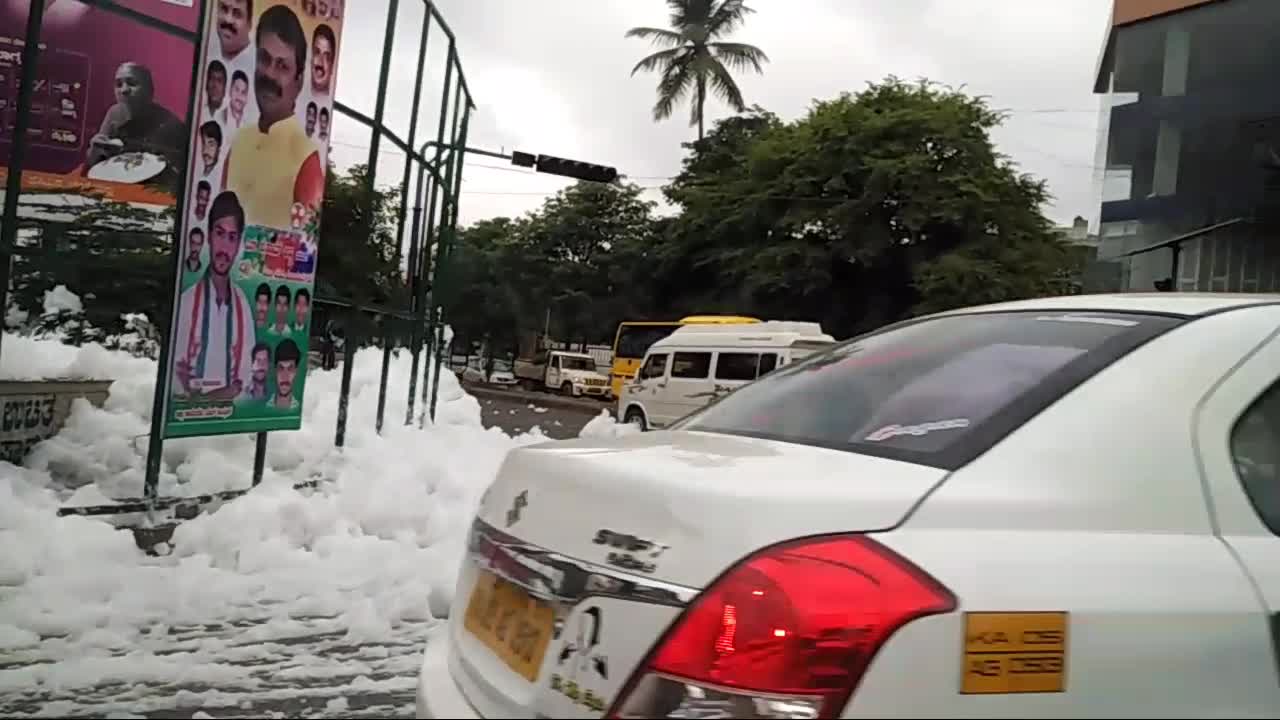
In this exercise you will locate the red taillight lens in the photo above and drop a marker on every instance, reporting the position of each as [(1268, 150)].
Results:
[(796, 622)]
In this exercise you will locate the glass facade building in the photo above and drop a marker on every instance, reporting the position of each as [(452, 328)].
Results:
[(1189, 145)]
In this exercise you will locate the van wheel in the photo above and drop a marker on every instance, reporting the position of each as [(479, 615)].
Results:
[(567, 389), (635, 416)]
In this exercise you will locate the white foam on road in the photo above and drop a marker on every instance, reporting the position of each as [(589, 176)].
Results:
[(304, 599)]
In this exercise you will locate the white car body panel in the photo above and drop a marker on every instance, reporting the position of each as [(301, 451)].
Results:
[(1256, 546), (1160, 626), (691, 492), (1060, 469), (1118, 504), (1180, 303)]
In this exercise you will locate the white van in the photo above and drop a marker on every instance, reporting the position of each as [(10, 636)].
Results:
[(697, 364)]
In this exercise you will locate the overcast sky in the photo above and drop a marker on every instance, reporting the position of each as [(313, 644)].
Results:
[(553, 76)]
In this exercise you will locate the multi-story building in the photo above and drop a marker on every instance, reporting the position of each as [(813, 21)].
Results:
[(1189, 143)]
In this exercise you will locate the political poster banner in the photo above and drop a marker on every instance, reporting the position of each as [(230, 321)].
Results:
[(108, 108), (250, 238)]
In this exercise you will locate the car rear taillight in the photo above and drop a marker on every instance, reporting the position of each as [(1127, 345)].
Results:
[(786, 633)]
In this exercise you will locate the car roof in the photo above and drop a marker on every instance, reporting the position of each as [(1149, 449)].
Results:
[(1175, 303), (771, 334)]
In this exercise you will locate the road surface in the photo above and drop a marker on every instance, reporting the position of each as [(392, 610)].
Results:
[(521, 413)]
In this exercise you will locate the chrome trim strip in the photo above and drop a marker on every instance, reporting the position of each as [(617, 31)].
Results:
[(562, 580)]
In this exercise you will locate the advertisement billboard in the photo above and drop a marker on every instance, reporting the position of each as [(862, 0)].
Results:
[(109, 106), (259, 146)]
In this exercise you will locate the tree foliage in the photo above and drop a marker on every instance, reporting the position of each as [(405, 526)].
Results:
[(358, 240), (864, 210), (872, 207), (694, 59), (577, 264)]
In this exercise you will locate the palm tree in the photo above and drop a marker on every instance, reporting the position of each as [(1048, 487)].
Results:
[(694, 58)]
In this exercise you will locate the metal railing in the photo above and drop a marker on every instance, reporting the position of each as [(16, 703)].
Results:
[(432, 227)]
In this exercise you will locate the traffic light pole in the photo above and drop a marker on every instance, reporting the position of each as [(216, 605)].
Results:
[(541, 163), (473, 151)]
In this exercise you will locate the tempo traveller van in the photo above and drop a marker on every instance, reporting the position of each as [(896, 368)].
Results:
[(697, 364)]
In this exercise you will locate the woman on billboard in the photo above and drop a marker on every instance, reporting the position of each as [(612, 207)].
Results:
[(136, 122)]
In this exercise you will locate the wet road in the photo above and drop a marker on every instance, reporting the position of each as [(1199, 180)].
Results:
[(522, 413)]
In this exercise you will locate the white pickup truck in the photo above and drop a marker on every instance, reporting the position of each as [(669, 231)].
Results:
[(570, 373)]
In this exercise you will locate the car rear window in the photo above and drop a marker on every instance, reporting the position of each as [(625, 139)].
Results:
[(938, 391)]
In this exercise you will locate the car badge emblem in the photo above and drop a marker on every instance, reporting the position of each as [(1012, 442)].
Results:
[(520, 503)]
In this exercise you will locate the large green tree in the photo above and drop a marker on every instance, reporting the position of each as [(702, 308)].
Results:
[(358, 240), (580, 262), (581, 235), (694, 58), (358, 250), (873, 206), (487, 288)]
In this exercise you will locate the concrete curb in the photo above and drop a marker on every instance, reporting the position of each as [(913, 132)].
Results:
[(547, 400)]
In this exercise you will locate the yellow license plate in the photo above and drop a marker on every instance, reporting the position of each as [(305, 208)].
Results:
[(515, 625)]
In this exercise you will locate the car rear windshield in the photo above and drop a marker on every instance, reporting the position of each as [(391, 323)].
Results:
[(937, 392)]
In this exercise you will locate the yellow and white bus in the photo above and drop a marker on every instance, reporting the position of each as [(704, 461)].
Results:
[(634, 339)]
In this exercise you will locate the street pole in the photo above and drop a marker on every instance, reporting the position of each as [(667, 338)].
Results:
[(164, 376), (415, 265), (378, 113), (417, 212), (447, 249), (259, 458), (18, 150), (431, 234)]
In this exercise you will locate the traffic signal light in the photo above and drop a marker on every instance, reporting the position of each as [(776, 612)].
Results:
[(568, 168)]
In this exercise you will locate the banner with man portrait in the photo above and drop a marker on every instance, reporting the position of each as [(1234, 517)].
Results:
[(250, 238)]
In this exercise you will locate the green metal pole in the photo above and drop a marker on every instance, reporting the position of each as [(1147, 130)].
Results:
[(164, 378), (427, 293), (259, 458), (18, 148), (447, 211), (431, 211), (413, 133), (404, 202), (446, 249), (415, 267), (378, 128), (440, 190)]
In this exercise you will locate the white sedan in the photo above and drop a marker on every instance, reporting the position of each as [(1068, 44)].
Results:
[(501, 376), (1064, 507)]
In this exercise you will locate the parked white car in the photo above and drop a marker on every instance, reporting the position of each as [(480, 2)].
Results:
[(699, 364), (1064, 507), (500, 376)]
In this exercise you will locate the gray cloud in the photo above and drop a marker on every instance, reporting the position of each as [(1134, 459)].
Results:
[(554, 77)]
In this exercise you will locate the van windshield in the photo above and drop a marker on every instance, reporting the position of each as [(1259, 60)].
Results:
[(938, 391)]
